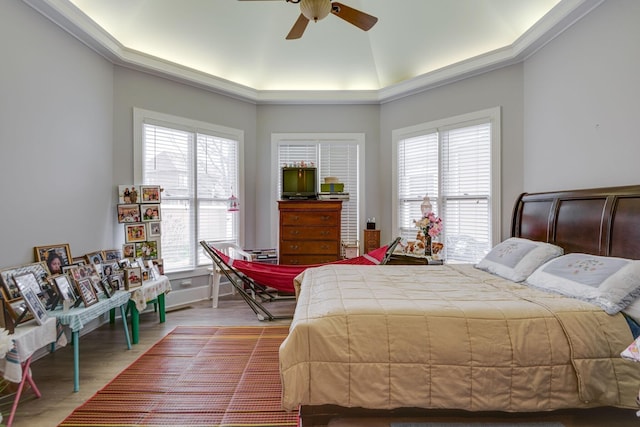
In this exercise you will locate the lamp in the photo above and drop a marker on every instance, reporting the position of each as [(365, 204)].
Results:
[(425, 206), (315, 10)]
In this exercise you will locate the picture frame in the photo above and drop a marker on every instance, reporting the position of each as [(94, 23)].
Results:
[(87, 271), (150, 193), (87, 292), (128, 250), (64, 287), (127, 194), (35, 306), (154, 271), (106, 287), (128, 213), (150, 212), (136, 232), (96, 257), (147, 249), (117, 281), (132, 278), (154, 229), (30, 290), (112, 254), (9, 287), (160, 264), (124, 262), (55, 256), (109, 268)]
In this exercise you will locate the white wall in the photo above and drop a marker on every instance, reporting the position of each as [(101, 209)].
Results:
[(56, 118), (502, 88), (581, 103)]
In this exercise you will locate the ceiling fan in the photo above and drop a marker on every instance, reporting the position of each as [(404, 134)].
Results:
[(315, 10)]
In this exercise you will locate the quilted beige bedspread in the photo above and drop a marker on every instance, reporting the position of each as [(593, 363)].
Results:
[(449, 337)]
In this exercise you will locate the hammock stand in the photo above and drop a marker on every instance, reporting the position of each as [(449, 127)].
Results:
[(258, 283)]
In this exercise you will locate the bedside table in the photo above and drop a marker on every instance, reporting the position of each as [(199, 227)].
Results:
[(404, 259)]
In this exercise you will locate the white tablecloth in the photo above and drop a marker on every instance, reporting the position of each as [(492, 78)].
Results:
[(27, 339), (150, 291)]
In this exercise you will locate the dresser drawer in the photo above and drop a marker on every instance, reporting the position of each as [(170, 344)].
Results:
[(309, 233), (327, 219), (306, 259), (310, 247)]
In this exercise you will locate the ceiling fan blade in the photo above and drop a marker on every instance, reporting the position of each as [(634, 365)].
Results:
[(298, 28), (353, 16)]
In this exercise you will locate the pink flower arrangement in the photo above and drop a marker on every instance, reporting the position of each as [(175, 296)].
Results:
[(430, 225)]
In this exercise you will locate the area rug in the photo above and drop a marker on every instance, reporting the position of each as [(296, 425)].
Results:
[(196, 376)]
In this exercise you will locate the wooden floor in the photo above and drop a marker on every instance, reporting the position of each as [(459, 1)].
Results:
[(103, 354)]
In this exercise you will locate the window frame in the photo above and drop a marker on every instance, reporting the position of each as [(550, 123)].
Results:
[(141, 117), (316, 138), (491, 115)]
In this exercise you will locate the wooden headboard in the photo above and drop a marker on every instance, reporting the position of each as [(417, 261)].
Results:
[(599, 221)]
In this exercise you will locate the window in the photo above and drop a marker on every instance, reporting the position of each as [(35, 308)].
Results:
[(456, 163), (198, 166), (334, 155)]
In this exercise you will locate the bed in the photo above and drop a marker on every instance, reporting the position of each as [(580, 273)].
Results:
[(405, 338)]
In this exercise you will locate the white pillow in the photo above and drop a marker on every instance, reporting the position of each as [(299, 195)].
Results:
[(608, 282), (633, 310), (516, 258)]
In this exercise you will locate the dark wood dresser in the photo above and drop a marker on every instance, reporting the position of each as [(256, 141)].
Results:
[(309, 231)]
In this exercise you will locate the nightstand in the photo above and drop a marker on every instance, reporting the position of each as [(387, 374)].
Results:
[(403, 259), (371, 240)]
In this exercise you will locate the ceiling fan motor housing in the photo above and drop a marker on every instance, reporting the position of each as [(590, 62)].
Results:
[(315, 10)]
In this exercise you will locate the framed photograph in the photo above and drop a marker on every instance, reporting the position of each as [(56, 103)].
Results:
[(150, 193), (9, 287), (106, 287), (150, 212), (87, 271), (124, 263), (153, 229), (160, 264), (56, 256), (112, 254), (109, 268), (64, 287), (79, 260), (96, 257), (35, 306), (135, 233), (129, 250), (154, 272), (128, 213), (132, 278), (87, 292), (147, 249), (117, 281), (127, 194)]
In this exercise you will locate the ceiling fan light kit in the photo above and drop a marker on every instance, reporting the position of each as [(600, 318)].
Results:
[(315, 10)]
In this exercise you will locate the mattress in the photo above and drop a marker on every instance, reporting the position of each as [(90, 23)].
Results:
[(452, 336)]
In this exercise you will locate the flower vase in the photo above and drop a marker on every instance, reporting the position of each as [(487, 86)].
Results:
[(427, 245)]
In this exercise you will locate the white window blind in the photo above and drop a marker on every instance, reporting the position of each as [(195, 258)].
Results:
[(198, 170), (332, 158), (452, 163)]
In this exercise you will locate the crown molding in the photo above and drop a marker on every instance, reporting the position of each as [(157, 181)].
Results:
[(67, 16)]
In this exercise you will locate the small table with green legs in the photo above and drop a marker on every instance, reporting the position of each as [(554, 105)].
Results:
[(76, 318), (150, 291)]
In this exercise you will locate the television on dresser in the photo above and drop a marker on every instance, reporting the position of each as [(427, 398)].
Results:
[(299, 183)]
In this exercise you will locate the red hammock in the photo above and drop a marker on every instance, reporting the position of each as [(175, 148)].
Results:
[(281, 277)]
